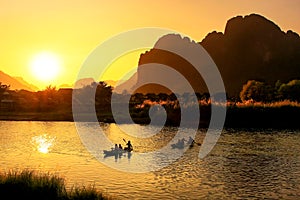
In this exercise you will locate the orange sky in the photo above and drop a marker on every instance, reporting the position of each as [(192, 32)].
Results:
[(72, 29)]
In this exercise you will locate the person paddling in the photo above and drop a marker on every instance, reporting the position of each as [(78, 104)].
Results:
[(191, 141), (129, 146)]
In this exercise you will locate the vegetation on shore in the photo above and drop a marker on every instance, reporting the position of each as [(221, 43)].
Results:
[(258, 105), (29, 184)]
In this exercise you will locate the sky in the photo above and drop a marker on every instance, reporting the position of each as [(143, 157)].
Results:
[(71, 30)]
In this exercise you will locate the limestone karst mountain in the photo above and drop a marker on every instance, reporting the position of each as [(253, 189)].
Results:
[(251, 47)]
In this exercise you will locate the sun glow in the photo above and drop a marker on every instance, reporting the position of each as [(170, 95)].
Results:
[(42, 143), (45, 66)]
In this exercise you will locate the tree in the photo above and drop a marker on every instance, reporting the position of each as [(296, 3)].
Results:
[(152, 97), (257, 91), (103, 96), (47, 98), (103, 93), (3, 88), (290, 91), (137, 98)]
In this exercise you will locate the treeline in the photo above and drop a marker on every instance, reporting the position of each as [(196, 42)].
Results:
[(259, 91), (47, 100), (259, 105)]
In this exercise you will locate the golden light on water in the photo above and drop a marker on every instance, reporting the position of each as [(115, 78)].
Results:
[(42, 143)]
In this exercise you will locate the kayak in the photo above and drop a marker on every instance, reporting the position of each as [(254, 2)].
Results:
[(177, 146), (115, 152), (181, 146)]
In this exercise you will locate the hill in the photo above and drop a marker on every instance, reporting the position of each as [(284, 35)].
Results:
[(16, 83), (251, 47)]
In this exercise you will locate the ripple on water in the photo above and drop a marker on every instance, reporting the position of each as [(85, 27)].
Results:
[(244, 164)]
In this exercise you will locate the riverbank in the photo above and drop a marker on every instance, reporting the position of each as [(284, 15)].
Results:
[(36, 116), (283, 117)]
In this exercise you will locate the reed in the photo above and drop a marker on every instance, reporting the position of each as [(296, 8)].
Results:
[(29, 184)]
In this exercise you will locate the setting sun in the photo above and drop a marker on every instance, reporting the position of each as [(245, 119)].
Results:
[(45, 66)]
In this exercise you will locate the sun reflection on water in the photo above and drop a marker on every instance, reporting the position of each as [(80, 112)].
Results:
[(42, 143)]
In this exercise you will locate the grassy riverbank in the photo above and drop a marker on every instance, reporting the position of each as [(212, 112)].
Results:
[(31, 185), (36, 116), (253, 115)]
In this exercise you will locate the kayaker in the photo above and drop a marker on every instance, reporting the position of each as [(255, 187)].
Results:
[(191, 141), (180, 142), (183, 140), (129, 146), (120, 146), (116, 147)]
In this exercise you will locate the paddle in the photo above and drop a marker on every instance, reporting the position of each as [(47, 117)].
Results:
[(126, 143)]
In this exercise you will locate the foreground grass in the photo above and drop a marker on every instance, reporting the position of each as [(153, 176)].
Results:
[(28, 184)]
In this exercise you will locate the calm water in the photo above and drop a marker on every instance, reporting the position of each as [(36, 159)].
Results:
[(244, 164)]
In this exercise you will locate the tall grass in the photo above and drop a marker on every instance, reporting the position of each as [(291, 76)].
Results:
[(29, 184), (276, 104)]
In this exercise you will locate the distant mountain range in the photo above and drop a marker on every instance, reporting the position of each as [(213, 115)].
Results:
[(16, 83), (251, 47)]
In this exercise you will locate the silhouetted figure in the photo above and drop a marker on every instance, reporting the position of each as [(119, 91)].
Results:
[(116, 147), (182, 141), (120, 146), (191, 141), (129, 146)]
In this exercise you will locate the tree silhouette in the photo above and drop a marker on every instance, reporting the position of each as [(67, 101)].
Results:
[(103, 96), (103, 93), (47, 98), (257, 91), (290, 91), (3, 88)]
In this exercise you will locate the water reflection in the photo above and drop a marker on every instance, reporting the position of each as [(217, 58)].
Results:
[(258, 165), (42, 143), (243, 165)]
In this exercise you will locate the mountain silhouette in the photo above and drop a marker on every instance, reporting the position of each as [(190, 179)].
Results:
[(162, 67), (251, 47), (16, 83)]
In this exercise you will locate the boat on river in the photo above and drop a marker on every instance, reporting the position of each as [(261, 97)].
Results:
[(116, 152), (177, 146), (181, 144)]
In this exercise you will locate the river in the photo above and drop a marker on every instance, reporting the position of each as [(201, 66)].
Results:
[(244, 164)]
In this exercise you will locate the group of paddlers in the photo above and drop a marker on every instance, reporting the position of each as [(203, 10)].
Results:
[(182, 141), (126, 148)]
